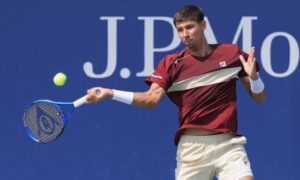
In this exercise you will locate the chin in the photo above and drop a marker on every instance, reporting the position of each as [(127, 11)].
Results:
[(190, 46)]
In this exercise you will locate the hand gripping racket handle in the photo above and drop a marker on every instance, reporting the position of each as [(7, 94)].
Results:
[(83, 100)]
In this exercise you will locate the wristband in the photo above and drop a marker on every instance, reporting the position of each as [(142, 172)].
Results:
[(123, 96), (257, 86)]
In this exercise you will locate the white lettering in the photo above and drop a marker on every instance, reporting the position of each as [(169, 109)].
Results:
[(209, 34), (243, 32), (149, 48), (266, 54), (111, 50), (245, 27)]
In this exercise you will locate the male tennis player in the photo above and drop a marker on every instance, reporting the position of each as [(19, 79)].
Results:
[(201, 81)]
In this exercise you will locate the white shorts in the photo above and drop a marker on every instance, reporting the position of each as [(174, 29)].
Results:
[(220, 155)]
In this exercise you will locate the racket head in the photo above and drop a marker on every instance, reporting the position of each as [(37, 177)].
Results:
[(44, 121)]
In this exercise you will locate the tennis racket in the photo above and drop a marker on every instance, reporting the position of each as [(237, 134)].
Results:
[(45, 120)]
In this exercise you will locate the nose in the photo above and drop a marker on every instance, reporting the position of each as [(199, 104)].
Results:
[(185, 33)]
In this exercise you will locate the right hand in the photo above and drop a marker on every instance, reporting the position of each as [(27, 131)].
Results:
[(94, 97)]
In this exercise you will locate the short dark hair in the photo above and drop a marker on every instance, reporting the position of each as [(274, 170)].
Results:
[(188, 12)]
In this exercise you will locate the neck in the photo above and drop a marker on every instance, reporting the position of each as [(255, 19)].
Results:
[(201, 51)]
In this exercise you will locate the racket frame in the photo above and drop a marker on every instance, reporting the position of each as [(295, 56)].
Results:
[(57, 104), (66, 116)]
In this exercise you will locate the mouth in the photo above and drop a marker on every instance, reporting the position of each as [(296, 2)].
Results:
[(187, 41)]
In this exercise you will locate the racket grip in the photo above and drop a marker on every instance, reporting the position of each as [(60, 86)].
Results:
[(80, 101)]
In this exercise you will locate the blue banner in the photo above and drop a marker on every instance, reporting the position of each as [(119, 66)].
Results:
[(117, 44)]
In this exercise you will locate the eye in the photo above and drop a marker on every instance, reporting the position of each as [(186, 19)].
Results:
[(190, 26), (179, 29)]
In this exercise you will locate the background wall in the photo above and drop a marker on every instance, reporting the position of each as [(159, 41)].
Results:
[(111, 140)]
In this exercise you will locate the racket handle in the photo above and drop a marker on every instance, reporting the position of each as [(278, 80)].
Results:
[(80, 101)]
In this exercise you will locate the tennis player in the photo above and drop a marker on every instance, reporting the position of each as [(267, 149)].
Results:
[(201, 81)]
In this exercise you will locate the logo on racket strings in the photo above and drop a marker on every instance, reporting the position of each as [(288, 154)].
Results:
[(46, 123)]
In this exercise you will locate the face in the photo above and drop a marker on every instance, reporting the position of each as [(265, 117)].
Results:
[(191, 33)]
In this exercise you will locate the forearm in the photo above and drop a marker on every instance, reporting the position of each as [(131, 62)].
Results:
[(145, 100), (255, 88), (140, 99), (260, 97)]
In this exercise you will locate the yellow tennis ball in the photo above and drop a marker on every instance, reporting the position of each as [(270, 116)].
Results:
[(60, 79)]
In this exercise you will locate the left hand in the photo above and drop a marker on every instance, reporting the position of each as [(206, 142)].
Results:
[(250, 64)]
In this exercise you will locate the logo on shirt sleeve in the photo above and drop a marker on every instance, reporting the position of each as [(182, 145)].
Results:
[(156, 76)]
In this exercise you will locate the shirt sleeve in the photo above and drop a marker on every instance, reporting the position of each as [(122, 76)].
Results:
[(160, 75)]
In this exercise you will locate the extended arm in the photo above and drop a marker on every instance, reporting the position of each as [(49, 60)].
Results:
[(147, 99)]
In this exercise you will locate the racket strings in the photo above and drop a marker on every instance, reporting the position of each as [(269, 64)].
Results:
[(44, 120)]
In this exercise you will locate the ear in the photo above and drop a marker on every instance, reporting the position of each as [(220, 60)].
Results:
[(203, 24)]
